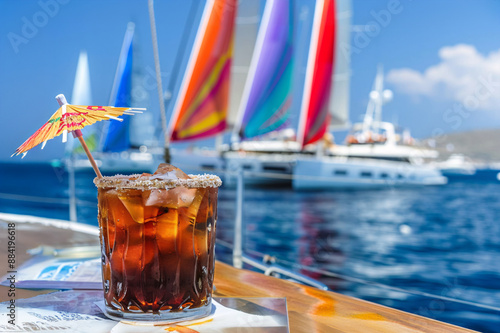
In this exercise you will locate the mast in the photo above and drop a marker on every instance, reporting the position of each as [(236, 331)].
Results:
[(159, 85), (378, 97)]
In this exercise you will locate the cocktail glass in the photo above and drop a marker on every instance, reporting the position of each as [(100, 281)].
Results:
[(157, 237)]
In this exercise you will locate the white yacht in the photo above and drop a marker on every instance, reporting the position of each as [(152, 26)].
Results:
[(375, 156), (367, 166), (457, 165)]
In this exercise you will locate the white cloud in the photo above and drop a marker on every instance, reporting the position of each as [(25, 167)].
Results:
[(463, 75)]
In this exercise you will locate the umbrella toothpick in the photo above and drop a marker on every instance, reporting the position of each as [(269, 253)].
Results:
[(70, 119), (63, 110), (78, 134), (112, 117), (87, 151)]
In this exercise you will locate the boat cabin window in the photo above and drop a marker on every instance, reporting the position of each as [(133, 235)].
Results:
[(208, 167), (274, 168), (366, 174), (384, 158), (340, 172), (400, 176), (384, 175), (247, 167)]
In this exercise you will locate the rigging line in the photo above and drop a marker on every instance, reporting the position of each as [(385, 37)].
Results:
[(60, 201), (17, 197), (406, 291), (157, 69), (172, 81), (366, 282)]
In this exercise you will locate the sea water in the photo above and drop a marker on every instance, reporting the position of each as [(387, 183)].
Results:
[(395, 247)]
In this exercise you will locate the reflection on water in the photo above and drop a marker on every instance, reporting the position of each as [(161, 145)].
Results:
[(440, 240)]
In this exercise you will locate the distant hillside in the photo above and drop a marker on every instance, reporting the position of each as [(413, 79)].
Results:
[(479, 145)]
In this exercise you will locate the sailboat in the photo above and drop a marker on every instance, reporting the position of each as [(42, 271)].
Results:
[(115, 152), (266, 100), (265, 105), (81, 95), (372, 159), (272, 161), (201, 107)]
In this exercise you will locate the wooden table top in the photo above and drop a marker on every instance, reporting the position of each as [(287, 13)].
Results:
[(309, 309)]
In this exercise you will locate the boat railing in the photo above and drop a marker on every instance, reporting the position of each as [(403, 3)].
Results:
[(238, 256)]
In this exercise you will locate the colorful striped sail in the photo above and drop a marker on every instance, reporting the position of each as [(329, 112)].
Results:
[(314, 115), (267, 96), (200, 110)]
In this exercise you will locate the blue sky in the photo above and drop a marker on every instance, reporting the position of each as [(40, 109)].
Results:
[(436, 54)]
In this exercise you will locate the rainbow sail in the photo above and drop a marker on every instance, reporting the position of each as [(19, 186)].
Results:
[(314, 115), (267, 95), (200, 110)]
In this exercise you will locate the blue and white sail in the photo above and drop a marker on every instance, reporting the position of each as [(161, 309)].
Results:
[(117, 133), (82, 95)]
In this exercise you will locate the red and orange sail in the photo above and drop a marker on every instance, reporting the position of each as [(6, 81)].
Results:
[(200, 110), (314, 115)]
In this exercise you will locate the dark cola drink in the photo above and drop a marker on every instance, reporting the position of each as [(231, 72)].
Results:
[(157, 240)]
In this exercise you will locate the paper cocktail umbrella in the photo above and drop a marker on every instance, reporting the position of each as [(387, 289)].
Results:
[(72, 118)]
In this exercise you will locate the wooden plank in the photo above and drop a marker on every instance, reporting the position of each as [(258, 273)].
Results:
[(309, 309), (314, 310)]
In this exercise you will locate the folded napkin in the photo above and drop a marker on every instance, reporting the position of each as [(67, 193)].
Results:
[(220, 319), (82, 311)]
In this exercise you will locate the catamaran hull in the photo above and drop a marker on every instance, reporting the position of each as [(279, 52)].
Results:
[(343, 173), (199, 161), (259, 169), (111, 164)]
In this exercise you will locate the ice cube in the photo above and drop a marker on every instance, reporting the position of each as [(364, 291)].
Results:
[(166, 231), (205, 209), (173, 198), (135, 177), (167, 171), (132, 200), (193, 208)]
